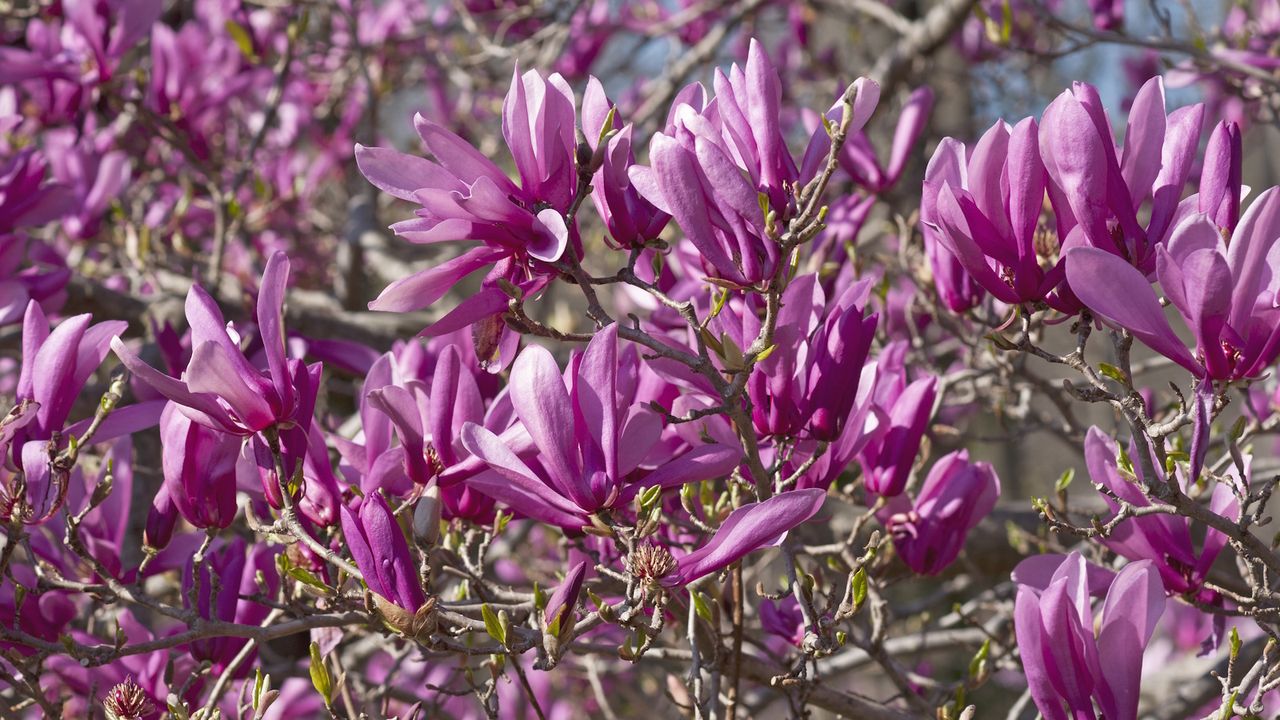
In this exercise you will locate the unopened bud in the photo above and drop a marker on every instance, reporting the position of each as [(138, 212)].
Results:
[(102, 491), (582, 150), (264, 702), (426, 518), (597, 157)]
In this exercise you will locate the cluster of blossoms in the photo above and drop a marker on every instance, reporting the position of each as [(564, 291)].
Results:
[(622, 420)]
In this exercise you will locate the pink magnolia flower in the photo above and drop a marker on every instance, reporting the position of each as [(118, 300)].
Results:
[(225, 392), (1064, 649), (588, 443), (929, 531), (1224, 291), (463, 195)]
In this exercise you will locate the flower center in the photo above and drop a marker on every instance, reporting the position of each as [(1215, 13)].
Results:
[(127, 701), (651, 563)]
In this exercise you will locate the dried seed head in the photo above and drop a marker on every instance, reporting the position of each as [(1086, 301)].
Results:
[(127, 701), (651, 563)]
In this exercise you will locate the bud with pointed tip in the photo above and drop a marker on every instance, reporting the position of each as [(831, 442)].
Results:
[(161, 520), (426, 518)]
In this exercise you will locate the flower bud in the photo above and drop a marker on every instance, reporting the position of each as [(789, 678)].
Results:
[(161, 520), (426, 518)]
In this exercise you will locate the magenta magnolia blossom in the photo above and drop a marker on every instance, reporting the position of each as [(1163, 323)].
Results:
[(1224, 291), (889, 456), (1071, 660), (813, 388), (588, 444), (1165, 540), (465, 196), (56, 364), (561, 604), (199, 469), (1096, 192), (783, 619), (381, 553), (632, 220), (225, 392), (94, 174), (42, 280), (957, 288), (987, 212), (26, 200), (721, 161), (426, 414), (956, 495)]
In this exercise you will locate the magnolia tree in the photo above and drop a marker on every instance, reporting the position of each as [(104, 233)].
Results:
[(681, 385)]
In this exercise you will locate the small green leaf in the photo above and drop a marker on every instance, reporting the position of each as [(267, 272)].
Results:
[(1112, 372), (859, 583), (701, 607), (978, 664), (259, 681), (1064, 480), (764, 354), (306, 578), (721, 298), (492, 625), (710, 339), (1237, 430), (1235, 643), (320, 675), (500, 522), (733, 358), (242, 39), (607, 127), (1124, 461), (1001, 341), (649, 496)]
